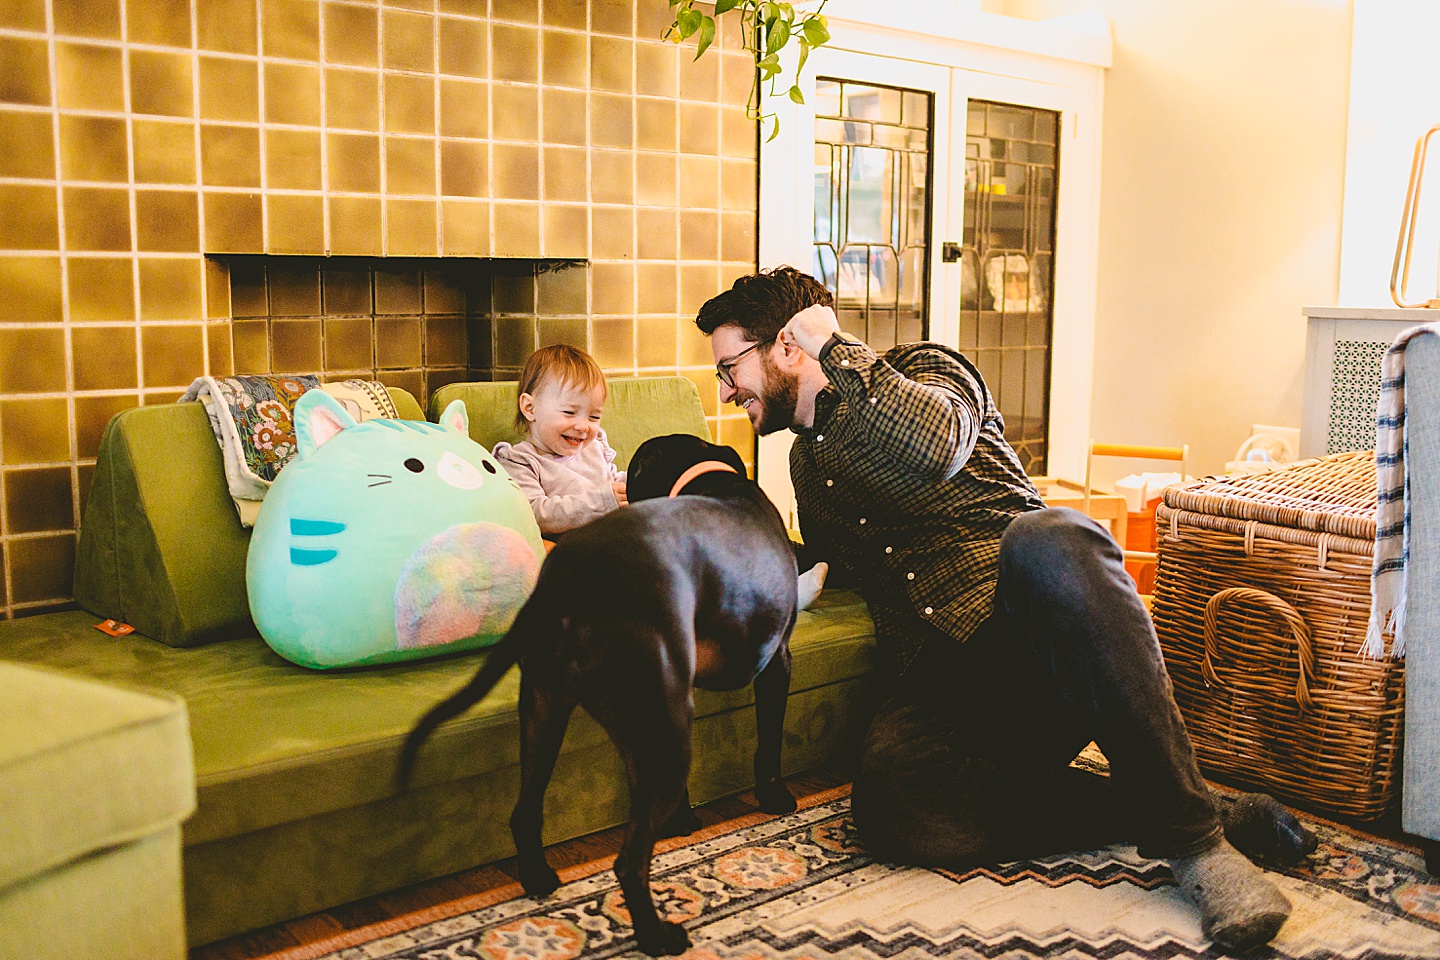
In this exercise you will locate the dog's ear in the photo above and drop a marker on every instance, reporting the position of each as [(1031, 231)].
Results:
[(645, 477)]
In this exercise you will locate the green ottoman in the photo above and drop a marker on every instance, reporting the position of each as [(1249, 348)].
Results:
[(94, 782)]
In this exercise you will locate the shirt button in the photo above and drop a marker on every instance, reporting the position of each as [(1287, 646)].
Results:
[(929, 610), (862, 521), (819, 438), (829, 483), (909, 576), (872, 399), (844, 363), (889, 549)]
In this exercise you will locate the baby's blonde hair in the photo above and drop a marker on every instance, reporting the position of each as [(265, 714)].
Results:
[(561, 365)]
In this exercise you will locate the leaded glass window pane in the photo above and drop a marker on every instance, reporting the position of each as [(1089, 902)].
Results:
[(872, 207), (1007, 264)]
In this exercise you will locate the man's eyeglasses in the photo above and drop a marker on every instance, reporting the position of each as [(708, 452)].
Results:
[(725, 369)]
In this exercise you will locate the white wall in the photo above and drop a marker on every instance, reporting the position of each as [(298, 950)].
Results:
[(1394, 98), (1220, 212)]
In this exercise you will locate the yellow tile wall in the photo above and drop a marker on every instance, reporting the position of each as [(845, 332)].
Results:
[(136, 138)]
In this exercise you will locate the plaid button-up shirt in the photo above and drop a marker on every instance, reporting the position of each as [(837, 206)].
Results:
[(906, 482)]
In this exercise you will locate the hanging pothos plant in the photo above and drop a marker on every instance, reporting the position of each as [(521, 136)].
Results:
[(766, 28)]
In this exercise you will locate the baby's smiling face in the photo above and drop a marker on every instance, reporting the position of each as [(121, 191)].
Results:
[(563, 417)]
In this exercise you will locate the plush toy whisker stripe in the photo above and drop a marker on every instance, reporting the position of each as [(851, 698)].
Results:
[(311, 558), (301, 527)]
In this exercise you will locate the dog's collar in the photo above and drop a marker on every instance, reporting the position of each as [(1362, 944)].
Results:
[(703, 467)]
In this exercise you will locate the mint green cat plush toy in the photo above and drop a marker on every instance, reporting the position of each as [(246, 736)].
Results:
[(388, 540)]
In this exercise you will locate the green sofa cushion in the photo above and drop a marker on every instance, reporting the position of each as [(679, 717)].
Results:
[(161, 545), (276, 743), (84, 767), (637, 409)]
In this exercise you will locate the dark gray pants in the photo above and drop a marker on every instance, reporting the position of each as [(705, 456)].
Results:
[(968, 761)]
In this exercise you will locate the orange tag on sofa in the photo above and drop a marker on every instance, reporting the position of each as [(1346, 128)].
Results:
[(114, 627)]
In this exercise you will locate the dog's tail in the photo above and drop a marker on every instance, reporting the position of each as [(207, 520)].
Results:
[(503, 656)]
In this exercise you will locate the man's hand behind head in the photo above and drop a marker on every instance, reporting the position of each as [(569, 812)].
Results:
[(810, 329)]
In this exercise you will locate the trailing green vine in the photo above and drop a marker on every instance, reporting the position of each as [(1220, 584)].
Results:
[(767, 27)]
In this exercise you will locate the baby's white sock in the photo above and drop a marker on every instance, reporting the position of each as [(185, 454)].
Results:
[(811, 582)]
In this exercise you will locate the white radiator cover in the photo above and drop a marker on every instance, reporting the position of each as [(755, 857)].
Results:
[(1343, 347)]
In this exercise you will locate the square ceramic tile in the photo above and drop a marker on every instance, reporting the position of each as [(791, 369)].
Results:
[(229, 89), (352, 35), (464, 46), (226, 26), (30, 144), (30, 289), (89, 77), (292, 159), (98, 19), (163, 151), (32, 360), (28, 218), (101, 288), (167, 221), (170, 289), (92, 148)]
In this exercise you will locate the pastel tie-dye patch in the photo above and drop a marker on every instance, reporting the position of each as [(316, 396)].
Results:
[(469, 580)]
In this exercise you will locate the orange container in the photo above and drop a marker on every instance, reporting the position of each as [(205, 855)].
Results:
[(1140, 535)]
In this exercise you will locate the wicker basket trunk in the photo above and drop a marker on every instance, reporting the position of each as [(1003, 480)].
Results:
[(1261, 604)]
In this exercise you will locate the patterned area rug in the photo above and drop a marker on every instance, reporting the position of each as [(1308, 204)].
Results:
[(801, 887)]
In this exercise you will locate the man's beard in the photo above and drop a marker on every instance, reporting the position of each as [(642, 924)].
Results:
[(779, 393)]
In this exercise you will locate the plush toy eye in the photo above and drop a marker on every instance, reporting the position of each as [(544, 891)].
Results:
[(414, 466), (490, 466)]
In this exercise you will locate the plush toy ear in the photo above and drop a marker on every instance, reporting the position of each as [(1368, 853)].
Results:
[(318, 419), (456, 418)]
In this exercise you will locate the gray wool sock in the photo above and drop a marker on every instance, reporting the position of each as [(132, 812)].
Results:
[(1239, 907)]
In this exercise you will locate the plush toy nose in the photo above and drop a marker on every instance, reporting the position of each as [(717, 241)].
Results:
[(459, 473)]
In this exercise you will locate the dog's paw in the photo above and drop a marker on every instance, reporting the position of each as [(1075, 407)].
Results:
[(664, 939), (1263, 829), (539, 881), (774, 797), (682, 823)]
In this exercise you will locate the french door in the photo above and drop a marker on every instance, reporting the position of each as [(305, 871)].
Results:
[(927, 196)]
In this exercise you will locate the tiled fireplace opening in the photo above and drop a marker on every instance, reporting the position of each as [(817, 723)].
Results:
[(415, 323)]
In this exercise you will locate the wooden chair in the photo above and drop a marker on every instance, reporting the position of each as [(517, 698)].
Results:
[(1135, 560)]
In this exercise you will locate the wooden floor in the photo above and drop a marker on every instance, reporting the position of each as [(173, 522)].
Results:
[(319, 926)]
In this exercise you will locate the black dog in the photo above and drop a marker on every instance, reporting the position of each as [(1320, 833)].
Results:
[(629, 614)]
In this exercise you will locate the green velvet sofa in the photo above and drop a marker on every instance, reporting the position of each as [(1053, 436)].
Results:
[(94, 782), (294, 769)]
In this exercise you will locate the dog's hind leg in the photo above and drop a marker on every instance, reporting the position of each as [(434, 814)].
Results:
[(682, 822), (651, 729), (772, 687), (657, 785), (544, 714)]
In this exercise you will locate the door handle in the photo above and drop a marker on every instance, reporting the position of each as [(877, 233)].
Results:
[(949, 252)]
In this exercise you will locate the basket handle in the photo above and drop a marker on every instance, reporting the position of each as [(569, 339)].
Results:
[(1304, 652)]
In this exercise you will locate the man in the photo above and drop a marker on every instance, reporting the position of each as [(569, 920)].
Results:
[(1010, 635)]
